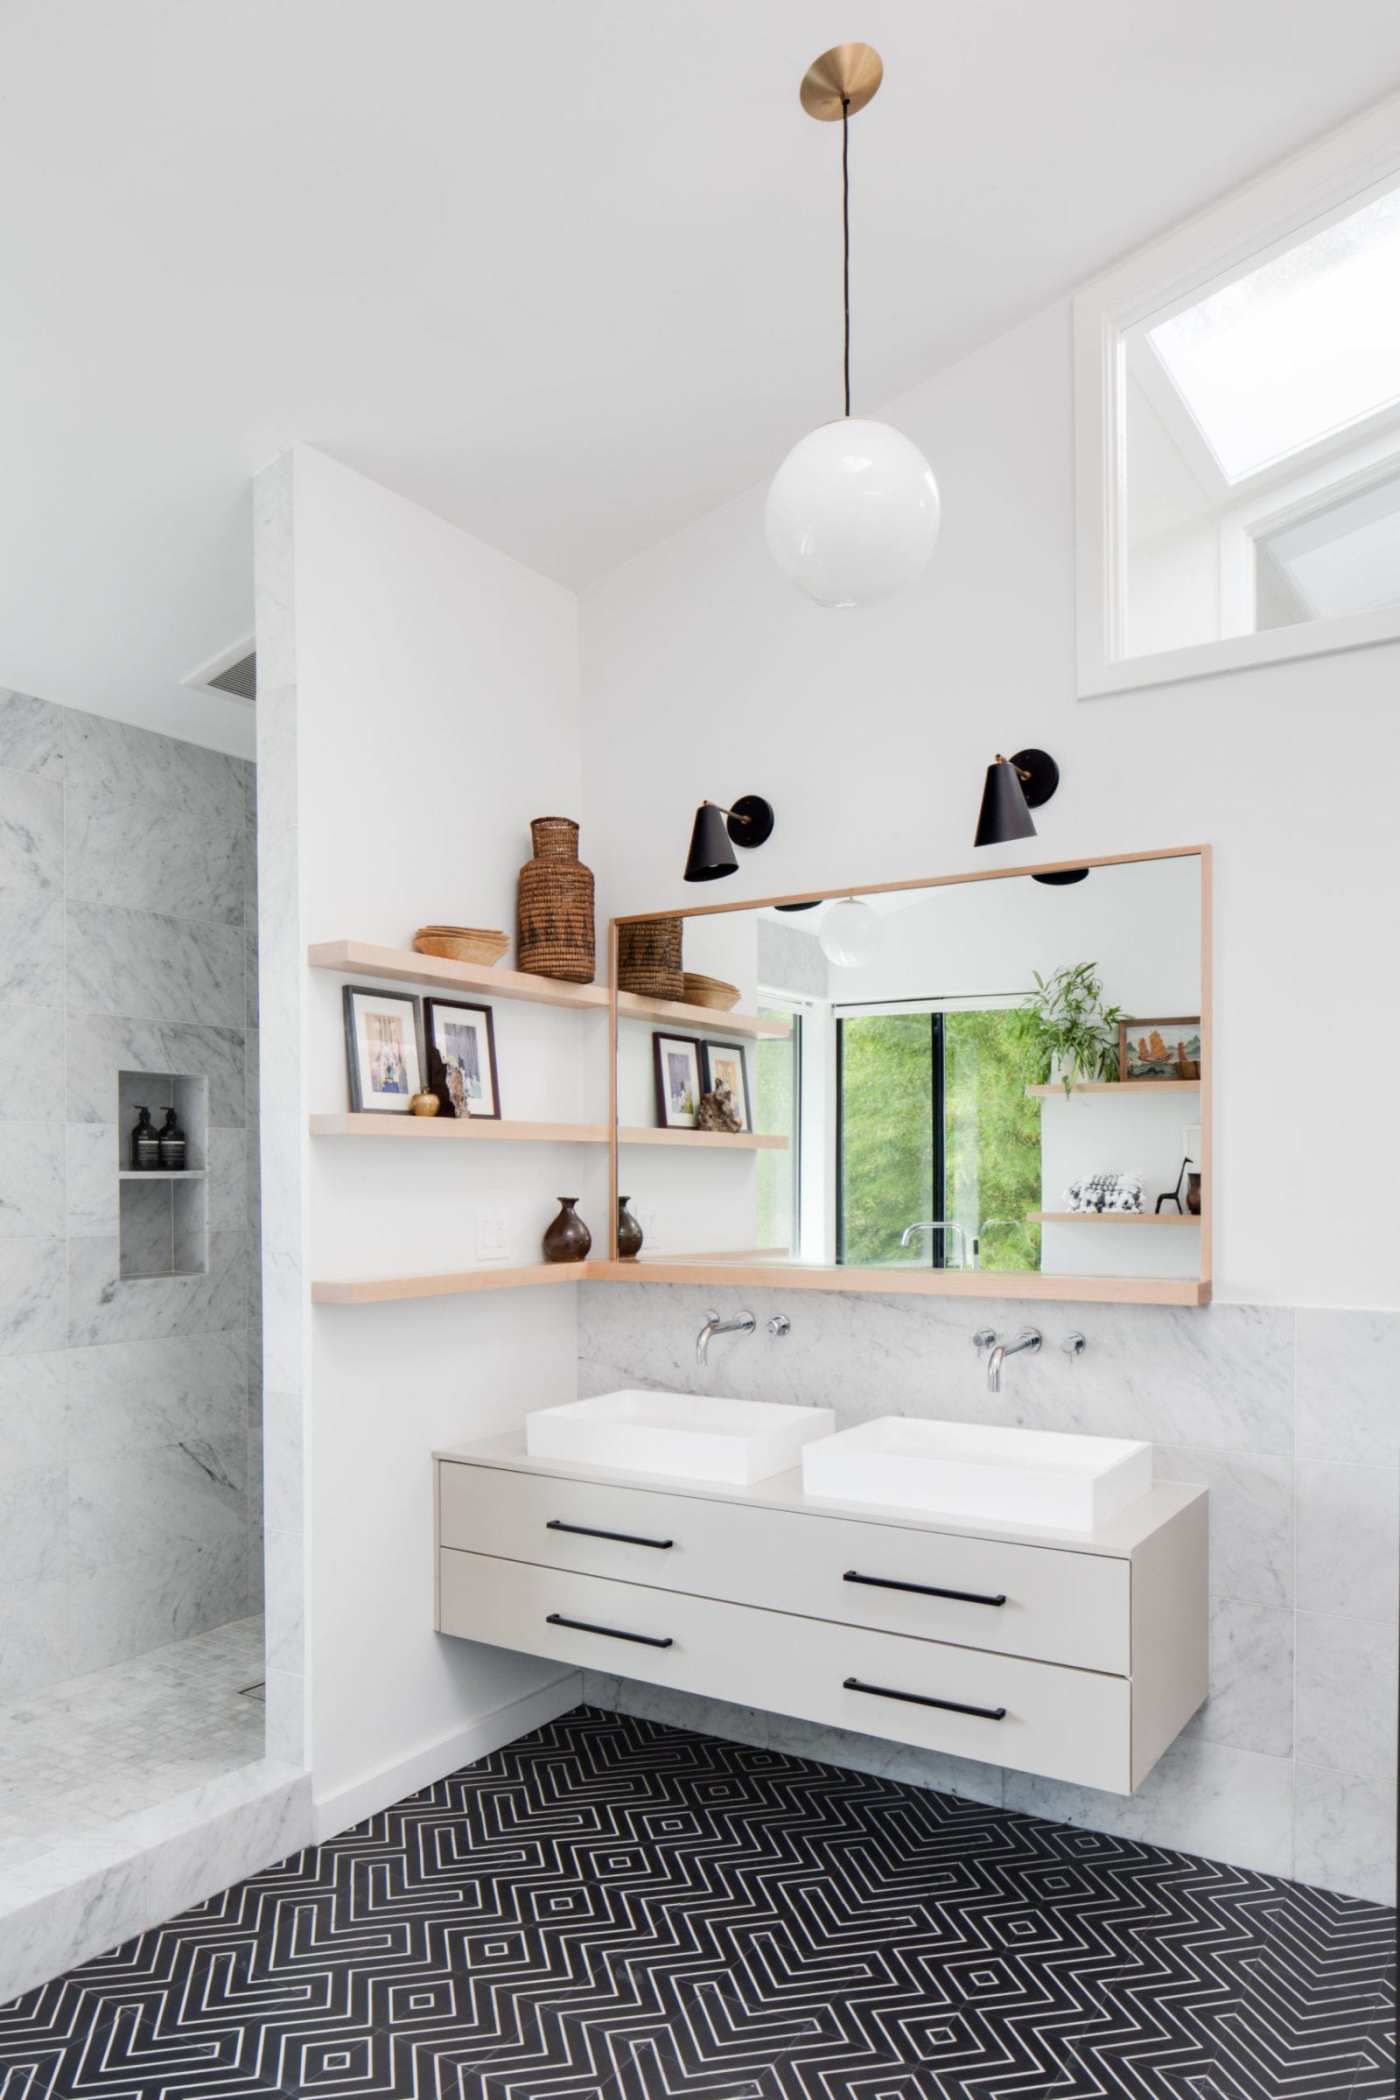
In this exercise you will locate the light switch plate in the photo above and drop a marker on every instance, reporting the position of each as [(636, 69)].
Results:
[(490, 1235)]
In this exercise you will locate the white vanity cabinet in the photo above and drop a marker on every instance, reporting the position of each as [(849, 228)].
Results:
[(1076, 1657)]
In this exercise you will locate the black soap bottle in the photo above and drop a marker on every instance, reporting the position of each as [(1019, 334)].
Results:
[(145, 1144), (172, 1144)]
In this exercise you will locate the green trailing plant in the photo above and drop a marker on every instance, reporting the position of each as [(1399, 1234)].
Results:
[(1072, 1023)]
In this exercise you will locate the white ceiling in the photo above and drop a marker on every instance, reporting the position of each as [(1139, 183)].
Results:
[(565, 271)]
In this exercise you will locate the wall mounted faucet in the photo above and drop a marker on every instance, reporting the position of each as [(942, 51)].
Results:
[(939, 1225), (1028, 1339), (744, 1324)]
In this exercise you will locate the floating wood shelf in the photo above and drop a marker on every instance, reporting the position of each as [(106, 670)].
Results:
[(443, 1129), (387, 1290), (719, 1140), (632, 1007), (160, 1174), (1108, 1217), (407, 966), (1116, 1086)]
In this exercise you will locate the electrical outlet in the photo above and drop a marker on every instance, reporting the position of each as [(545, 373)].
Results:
[(490, 1235)]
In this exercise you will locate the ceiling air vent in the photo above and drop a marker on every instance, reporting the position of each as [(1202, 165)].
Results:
[(233, 672)]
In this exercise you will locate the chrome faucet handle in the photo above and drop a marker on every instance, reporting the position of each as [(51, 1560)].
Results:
[(1074, 1344), (779, 1325), (985, 1338)]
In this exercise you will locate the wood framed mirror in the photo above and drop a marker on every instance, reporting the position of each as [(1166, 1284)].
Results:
[(994, 1084)]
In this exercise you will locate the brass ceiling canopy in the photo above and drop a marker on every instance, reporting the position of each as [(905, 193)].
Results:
[(848, 74)]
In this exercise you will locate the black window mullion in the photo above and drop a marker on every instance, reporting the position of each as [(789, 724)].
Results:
[(938, 1240)]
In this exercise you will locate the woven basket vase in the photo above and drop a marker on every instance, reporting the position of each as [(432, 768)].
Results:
[(649, 958), (555, 906)]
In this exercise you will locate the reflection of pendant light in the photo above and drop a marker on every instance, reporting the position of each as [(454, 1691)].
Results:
[(853, 510), (850, 934)]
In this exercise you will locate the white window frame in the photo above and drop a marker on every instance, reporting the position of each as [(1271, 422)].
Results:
[(1332, 176)]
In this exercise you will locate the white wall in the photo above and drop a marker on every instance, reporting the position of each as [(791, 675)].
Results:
[(436, 712), (705, 673)]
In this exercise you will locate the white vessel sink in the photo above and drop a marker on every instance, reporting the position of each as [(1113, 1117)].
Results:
[(690, 1436), (959, 1469)]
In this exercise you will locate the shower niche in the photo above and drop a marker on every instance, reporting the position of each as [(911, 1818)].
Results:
[(163, 1213)]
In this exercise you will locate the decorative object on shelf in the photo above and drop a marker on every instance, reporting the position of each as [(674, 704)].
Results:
[(568, 1238), (678, 1080), (718, 1112), (1190, 1175), (709, 991), (555, 905), (469, 944), (716, 831), (173, 1148), (425, 1104), (649, 957), (382, 1034), (1077, 1032), (1061, 878), (461, 1043), (850, 934), (725, 1074), (1105, 1192), (629, 1232), (1013, 788), (853, 511), (1163, 1049), (145, 1142)]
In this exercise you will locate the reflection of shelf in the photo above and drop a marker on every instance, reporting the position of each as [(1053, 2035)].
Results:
[(441, 1129), (922, 1283), (1108, 1217), (405, 965), (731, 1140), (1116, 1086), (632, 1007), (160, 1174), (385, 1290)]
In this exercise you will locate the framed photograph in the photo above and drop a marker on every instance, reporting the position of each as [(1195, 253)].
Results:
[(724, 1065), (1160, 1049), (461, 1044), (678, 1080), (382, 1050)]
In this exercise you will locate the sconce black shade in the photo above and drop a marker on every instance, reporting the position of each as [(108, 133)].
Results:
[(711, 854), (717, 832), (1014, 787)]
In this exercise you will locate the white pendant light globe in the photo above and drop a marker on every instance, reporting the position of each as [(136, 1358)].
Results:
[(850, 934), (853, 513)]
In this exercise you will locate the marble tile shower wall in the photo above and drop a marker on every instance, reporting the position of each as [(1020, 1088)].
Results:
[(1292, 1419), (130, 1463)]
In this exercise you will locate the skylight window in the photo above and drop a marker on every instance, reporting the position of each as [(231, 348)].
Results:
[(1297, 350)]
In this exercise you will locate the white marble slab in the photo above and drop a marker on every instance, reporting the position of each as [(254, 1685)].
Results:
[(1250, 1705), (1344, 1832), (101, 1045), (34, 1651), (101, 1308), (157, 856), (31, 735), (167, 1497), (1251, 1518), (1349, 1386), (33, 1296), (146, 964), (1349, 1540), (31, 1051), (123, 1398), (123, 1610), (1344, 1695)]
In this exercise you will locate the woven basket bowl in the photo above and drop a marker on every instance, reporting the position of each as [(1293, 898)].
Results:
[(709, 991), (469, 944)]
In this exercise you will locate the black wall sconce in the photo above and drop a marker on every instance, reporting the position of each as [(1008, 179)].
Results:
[(717, 831), (1014, 787)]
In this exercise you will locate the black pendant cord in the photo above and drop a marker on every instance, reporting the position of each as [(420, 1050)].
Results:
[(846, 236)]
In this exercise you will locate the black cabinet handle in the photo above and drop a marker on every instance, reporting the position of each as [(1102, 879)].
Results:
[(614, 1633), (919, 1589), (623, 1538), (952, 1706)]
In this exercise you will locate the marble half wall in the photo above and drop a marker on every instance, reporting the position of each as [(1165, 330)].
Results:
[(1291, 1418), (130, 1411)]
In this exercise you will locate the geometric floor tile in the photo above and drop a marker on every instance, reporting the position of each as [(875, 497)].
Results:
[(610, 1909)]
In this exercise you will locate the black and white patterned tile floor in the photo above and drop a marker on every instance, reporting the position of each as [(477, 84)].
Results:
[(614, 1910)]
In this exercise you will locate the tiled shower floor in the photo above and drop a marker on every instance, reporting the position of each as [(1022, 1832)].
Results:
[(78, 1756)]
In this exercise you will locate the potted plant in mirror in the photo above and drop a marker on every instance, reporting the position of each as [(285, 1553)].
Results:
[(1077, 1032)]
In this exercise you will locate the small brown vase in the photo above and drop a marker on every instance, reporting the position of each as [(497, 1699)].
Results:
[(554, 914), (1193, 1194), (629, 1232), (568, 1238)]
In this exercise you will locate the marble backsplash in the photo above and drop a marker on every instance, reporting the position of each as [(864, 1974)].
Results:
[(130, 1418), (1291, 1418)]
